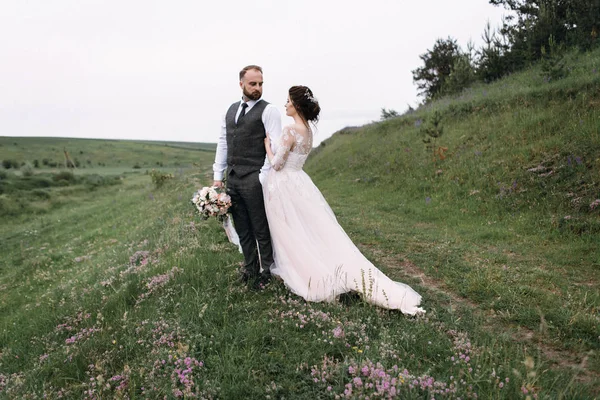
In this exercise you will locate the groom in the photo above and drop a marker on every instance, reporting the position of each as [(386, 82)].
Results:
[(241, 151)]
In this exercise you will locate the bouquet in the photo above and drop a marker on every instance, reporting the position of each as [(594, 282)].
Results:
[(212, 202)]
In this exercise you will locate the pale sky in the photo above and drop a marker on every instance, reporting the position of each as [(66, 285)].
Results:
[(168, 70)]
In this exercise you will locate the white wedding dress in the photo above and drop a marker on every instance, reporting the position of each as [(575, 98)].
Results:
[(313, 255)]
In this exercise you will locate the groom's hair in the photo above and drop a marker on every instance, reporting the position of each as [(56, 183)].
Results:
[(248, 68)]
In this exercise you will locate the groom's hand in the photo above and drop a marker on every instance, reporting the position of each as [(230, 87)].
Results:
[(218, 184)]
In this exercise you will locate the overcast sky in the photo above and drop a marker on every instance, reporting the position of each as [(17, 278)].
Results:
[(167, 70)]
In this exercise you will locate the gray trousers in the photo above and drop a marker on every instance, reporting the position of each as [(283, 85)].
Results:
[(250, 219)]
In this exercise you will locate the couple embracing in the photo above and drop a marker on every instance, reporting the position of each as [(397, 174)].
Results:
[(285, 226)]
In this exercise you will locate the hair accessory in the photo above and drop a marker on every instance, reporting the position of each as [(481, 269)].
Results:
[(309, 96)]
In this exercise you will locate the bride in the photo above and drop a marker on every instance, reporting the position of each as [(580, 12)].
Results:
[(313, 255)]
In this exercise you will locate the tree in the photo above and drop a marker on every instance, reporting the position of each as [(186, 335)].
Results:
[(461, 76), (387, 114), (494, 57), (568, 22), (433, 130), (583, 17), (438, 64)]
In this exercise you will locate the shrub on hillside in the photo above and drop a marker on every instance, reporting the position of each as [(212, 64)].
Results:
[(8, 164), (40, 194), (433, 130), (160, 178), (67, 176), (13, 206), (94, 181), (553, 64), (387, 114), (461, 77), (8, 207), (31, 182), (27, 170)]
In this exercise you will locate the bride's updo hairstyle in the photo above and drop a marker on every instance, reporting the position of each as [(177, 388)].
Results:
[(305, 103)]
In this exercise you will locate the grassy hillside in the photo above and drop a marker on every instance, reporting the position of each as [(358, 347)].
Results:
[(125, 293), (509, 220)]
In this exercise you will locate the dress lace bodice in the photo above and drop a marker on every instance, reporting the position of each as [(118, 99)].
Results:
[(292, 150)]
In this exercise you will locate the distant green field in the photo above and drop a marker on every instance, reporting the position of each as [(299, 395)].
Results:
[(30, 176), (96, 152)]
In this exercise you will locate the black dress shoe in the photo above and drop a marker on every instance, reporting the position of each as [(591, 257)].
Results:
[(266, 278), (262, 281), (246, 278)]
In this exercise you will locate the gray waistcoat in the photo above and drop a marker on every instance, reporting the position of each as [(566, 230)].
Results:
[(245, 141)]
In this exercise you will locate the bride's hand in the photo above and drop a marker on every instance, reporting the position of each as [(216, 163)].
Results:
[(267, 142)]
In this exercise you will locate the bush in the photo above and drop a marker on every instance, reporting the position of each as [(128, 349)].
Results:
[(159, 178), (10, 206), (64, 176), (30, 183), (41, 194), (552, 64), (93, 181), (387, 114), (27, 170), (8, 164), (461, 77), (136, 166)]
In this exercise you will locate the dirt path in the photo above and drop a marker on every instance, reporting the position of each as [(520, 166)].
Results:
[(559, 358)]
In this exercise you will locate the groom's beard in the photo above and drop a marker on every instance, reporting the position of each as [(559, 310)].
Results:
[(252, 95)]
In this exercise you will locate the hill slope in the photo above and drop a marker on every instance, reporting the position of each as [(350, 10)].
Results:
[(509, 219)]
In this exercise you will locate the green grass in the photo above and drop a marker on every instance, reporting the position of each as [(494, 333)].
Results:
[(33, 187), (115, 293), (90, 153)]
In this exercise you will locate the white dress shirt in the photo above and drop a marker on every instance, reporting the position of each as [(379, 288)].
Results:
[(271, 120)]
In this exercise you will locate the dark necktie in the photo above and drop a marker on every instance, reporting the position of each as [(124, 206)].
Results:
[(242, 113)]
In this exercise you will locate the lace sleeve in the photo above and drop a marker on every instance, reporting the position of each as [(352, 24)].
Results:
[(283, 150)]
